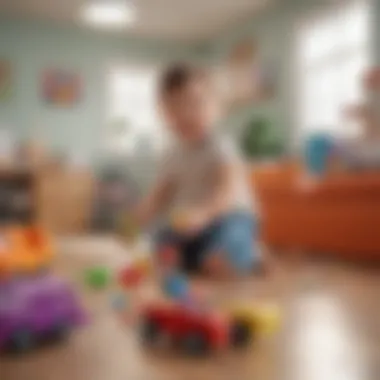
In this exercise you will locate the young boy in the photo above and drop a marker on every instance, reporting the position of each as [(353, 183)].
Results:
[(203, 178)]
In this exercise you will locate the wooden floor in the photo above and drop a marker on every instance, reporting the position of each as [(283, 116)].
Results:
[(330, 330)]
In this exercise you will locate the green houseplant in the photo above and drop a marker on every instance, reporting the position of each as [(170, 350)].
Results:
[(259, 140)]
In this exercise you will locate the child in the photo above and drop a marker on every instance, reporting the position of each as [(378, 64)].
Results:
[(202, 177)]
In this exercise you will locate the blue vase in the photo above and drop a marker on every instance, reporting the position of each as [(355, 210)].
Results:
[(318, 149)]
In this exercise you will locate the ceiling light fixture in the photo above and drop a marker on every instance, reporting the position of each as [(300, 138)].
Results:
[(108, 14)]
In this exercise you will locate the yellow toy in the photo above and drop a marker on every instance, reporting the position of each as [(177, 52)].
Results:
[(249, 321), (24, 250)]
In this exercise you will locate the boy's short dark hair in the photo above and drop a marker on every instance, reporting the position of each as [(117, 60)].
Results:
[(176, 76)]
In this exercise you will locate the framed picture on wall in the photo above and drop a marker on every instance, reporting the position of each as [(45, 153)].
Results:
[(5, 80), (61, 87), (250, 78), (242, 72)]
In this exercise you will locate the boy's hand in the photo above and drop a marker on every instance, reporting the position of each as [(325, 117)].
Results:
[(142, 215), (191, 221), (198, 221)]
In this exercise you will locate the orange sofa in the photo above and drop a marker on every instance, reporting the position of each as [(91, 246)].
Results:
[(340, 215)]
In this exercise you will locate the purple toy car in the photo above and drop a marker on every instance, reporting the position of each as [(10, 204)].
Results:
[(34, 308)]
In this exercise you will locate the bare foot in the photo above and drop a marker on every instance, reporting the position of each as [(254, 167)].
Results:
[(267, 264)]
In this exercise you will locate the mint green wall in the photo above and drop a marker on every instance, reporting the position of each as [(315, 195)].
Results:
[(272, 31), (375, 26), (79, 130), (31, 48)]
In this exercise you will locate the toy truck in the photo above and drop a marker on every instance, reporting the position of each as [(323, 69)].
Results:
[(35, 308), (249, 321), (196, 332)]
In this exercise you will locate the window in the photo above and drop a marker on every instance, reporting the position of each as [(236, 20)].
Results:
[(333, 53), (134, 127)]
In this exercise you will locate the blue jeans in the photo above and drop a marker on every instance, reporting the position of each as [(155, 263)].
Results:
[(232, 236)]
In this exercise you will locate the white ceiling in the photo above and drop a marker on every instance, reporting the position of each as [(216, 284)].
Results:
[(182, 20)]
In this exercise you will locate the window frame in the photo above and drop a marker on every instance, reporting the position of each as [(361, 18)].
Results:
[(130, 67)]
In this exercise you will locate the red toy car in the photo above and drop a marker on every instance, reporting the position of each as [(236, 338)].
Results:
[(133, 274), (195, 331), (130, 277)]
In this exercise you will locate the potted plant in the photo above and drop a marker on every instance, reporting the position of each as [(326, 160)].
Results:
[(259, 141)]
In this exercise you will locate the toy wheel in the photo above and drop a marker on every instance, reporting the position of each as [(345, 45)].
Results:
[(195, 343), (60, 331), (150, 331), (241, 334), (21, 341)]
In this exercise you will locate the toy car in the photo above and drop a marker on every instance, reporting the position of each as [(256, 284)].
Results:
[(34, 308), (130, 277), (196, 332), (24, 250), (248, 321)]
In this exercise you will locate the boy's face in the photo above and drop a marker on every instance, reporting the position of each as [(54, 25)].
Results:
[(192, 110)]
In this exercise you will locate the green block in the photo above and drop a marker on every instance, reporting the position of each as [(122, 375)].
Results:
[(98, 277)]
